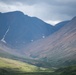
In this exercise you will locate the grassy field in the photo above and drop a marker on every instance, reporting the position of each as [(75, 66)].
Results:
[(13, 67), (70, 70)]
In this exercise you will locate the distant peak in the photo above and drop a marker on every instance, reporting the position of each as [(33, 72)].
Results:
[(74, 18), (17, 12), (0, 13)]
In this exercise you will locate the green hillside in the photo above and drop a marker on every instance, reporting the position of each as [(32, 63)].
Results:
[(70, 70), (13, 67)]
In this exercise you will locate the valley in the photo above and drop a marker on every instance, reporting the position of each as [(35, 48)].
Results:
[(29, 46)]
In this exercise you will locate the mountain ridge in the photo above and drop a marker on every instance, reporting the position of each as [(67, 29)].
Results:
[(18, 23), (35, 39), (20, 29), (57, 47)]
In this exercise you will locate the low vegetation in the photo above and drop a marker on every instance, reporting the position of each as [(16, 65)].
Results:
[(13, 67), (70, 70)]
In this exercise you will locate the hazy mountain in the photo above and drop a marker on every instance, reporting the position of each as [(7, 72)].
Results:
[(57, 49), (55, 45), (3, 25), (17, 29), (60, 25)]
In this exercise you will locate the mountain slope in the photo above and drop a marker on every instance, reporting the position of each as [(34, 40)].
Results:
[(3, 25), (33, 38), (8, 63), (20, 29), (13, 67), (60, 25), (7, 52), (58, 49), (70, 70)]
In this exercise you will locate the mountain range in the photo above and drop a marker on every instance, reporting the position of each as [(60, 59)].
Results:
[(58, 48), (23, 37), (18, 29)]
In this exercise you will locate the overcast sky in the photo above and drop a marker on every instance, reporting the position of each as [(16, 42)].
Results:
[(51, 11)]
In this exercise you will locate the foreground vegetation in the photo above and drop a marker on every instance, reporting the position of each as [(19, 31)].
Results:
[(70, 70), (13, 67)]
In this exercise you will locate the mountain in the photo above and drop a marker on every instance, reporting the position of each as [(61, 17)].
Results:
[(3, 25), (18, 55), (7, 52), (24, 37), (18, 29), (60, 25), (59, 49)]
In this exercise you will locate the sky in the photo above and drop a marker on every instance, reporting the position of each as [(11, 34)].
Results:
[(50, 11)]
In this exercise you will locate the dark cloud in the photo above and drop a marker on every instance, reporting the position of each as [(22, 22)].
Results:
[(55, 10)]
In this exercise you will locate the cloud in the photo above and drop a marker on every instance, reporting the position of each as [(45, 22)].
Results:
[(51, 11)]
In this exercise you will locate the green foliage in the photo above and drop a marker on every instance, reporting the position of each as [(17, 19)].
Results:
[(13, 67), (71, 70)]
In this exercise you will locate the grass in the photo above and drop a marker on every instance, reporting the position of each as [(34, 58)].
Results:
[(13, 67), (39, 63), (70, 70)]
